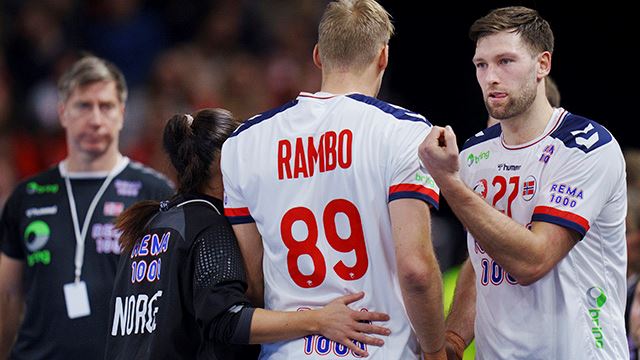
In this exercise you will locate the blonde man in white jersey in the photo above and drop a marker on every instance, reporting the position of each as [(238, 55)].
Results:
[(327, 197), (543, 197)]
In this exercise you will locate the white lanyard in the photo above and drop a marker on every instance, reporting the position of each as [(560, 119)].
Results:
[(80, 235)]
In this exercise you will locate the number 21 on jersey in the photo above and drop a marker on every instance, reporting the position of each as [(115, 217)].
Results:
[(308, 246)]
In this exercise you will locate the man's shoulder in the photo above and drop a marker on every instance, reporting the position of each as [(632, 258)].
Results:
[(582, 133), (42, 187), (375, 105), (262, 117), (392, 110), (44, 182), (146, 175), (483, 136)]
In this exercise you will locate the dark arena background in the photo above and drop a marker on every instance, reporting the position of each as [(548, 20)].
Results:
[(431, 70)]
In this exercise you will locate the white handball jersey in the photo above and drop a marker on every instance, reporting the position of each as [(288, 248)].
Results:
[(573, 176), (316, 175)]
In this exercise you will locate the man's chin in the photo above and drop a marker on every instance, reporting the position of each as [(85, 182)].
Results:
[(94, 151), (498, 113)]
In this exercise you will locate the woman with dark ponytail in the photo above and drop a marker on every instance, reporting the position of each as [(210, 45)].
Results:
[(180, 287)]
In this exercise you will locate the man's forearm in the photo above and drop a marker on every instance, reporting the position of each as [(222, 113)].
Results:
[(418, 271), (250, 243), (500, 236), (290, 325), (462, 314), (423, 299)]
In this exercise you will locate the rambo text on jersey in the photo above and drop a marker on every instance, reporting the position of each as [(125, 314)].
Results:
[(328, 152)]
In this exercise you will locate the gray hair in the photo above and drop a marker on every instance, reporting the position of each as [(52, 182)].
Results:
[(91, 69)]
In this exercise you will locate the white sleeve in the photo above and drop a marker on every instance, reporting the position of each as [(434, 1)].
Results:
[(235, 207), (576, 188), (409, 179)]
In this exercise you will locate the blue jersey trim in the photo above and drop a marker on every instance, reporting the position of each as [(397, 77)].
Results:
[(487, 134), (582, 133), (414, 195), (397, 112), (262, 117), (235, 220), (561, 222)]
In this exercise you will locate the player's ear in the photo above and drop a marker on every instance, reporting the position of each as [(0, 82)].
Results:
[(383, 57), (316, 57), (61, 114), (544, 64)]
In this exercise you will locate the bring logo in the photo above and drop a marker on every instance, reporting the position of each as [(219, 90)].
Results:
[(596, 299)]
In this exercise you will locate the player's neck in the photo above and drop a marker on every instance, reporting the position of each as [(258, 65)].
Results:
[(527, 126), (214, 187), (79, 162), (338, 82)]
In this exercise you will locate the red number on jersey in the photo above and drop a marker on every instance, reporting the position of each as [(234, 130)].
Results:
[(502, 184), (354, 242), (306, 246)]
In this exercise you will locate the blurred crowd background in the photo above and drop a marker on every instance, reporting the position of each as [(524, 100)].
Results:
[(177, 56), (251, 55)]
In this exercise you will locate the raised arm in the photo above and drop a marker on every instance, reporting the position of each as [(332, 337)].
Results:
[(545, 244), (506, 240), (11, 302), (250, 243), (418, 272)]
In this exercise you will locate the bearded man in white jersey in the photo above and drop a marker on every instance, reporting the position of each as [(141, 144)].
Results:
[(327, 197), (543, 197)]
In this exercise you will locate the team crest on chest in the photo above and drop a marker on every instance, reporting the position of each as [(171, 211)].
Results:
[(481, 188)]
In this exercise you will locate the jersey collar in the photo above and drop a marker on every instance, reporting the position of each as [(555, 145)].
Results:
[(554, 122), (123, 161)]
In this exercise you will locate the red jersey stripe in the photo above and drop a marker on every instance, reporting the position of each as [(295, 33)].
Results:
[(414, 188), (546, 210), (236, 211)]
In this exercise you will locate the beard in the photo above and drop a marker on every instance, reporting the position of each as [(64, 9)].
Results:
[(516, 105)]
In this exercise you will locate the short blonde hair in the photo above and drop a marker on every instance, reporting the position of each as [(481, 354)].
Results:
[(351, 32)]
